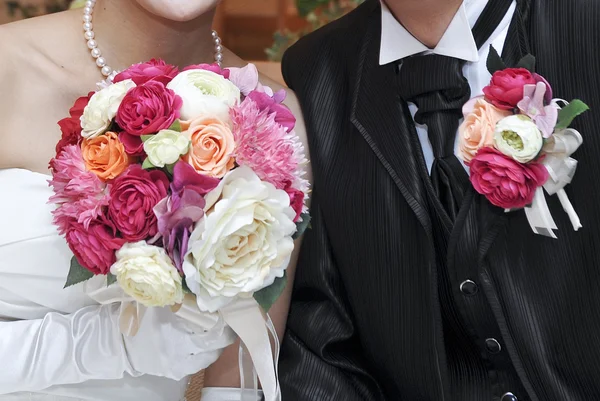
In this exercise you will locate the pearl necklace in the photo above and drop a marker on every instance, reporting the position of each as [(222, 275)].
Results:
[(105, 69)]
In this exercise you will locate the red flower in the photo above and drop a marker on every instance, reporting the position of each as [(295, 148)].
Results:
[(210, 67), (148, 108), (71, 126), (296, 200), (153, 70), (95, 246), (505, 182), (133, 197), (506, 88)]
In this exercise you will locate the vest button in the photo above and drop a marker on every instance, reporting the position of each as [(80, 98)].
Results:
[(509, 397), (469, 288), (493, 347)]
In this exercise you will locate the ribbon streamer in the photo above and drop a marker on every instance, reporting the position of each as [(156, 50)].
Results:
[(244, 316), (561, 168)]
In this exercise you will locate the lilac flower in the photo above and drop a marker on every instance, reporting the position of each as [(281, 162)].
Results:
[(178, 212), (532, 105)]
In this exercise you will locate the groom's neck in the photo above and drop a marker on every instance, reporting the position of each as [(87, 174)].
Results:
[(426, 20)]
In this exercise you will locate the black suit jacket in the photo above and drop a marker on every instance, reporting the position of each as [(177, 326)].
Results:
[(365, 321)]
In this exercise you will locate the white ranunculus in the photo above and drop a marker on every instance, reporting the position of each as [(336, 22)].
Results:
[(243, 243), (147, 274), (518, 137), (166, 147), (102, 108), (205, 94)]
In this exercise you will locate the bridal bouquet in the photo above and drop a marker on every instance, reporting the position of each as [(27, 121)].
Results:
[(517, 142), (170, 182)]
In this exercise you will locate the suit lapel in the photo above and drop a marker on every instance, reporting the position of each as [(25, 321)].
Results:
[(384, 120)]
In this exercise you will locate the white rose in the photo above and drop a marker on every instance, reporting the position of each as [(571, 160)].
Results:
[(102, 108), (518, 137), (146, 273), (205, 94), (243, 243), (166, 147)]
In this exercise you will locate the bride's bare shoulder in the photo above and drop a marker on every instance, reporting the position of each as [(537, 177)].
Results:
[(37, 60)]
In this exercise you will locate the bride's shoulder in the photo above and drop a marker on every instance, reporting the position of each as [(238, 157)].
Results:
[(36, 63)]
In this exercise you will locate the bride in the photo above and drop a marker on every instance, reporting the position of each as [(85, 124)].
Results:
[(57, 344)]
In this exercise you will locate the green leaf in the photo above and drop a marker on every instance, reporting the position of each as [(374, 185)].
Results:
[(77, 273), (302, 225), (110, 279), (185, 287), (494, 61), (176, 126), (267, 296), (568, 113), (147, 165), (170, 168), (146, 137), (527, 62)]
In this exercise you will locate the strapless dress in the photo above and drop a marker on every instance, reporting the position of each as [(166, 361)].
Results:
[(34, 262)]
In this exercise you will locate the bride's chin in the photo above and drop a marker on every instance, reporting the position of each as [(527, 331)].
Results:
[(178, 10)]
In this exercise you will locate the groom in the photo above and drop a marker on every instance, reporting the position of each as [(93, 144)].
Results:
[(410, 285)]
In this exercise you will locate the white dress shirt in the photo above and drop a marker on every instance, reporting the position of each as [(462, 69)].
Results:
[(397, 43)]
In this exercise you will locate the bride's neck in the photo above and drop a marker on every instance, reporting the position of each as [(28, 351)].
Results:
[(127, 34)]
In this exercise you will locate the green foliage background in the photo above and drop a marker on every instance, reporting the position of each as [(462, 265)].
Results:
[(317, 13)]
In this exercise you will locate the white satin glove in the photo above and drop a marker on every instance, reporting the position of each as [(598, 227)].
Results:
[(87, 345), (227, 394)]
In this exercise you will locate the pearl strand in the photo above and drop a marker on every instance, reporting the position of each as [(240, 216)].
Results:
[(105, 69)]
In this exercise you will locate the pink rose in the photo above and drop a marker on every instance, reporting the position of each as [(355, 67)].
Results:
[(477, 130), (296, 200), (148, 108), (153, 70), (210, 67), (133, 196), (505, 90), (94, 246), (505, 182), (283, 115)]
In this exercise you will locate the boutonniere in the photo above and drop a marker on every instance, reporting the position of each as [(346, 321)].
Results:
[(517, 143)]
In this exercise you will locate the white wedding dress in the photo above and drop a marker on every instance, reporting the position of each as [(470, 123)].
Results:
[(56, 344)]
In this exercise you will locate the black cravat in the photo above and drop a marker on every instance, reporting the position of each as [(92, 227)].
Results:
[(436, 85)]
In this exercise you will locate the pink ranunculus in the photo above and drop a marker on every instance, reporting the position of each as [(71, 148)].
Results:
[(505, 182), (133, 144), (133, 196), (148, 108), (94, 246), (283, 115), (153, 70), (210, 67), (505, 90), (296, 200)]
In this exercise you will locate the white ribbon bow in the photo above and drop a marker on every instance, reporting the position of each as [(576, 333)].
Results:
[(561, 168)]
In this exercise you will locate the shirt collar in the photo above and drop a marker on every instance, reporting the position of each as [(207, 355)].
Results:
[(397, 43)]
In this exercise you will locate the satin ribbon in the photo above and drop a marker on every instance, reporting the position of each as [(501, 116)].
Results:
[(130, 311), (561, 168), (258, 361), (246, 319)]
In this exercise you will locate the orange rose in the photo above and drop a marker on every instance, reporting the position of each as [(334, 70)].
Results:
[(211, 152), (477, 130), (105, 156)]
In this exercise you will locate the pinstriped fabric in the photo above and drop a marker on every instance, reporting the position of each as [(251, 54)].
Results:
[(366, 321)]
